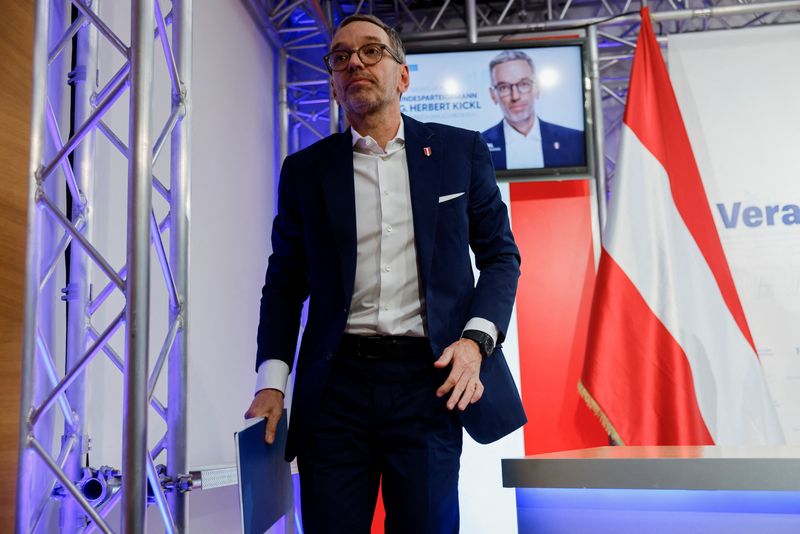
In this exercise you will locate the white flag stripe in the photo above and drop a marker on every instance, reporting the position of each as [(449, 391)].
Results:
[(649, 240)]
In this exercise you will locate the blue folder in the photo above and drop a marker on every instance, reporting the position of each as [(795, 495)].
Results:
[(265, 480)]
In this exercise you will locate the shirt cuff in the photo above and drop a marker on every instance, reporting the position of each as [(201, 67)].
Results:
[(272, 374), (484, 325)]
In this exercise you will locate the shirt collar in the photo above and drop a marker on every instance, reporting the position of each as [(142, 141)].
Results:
[(513, 135), (366, 144)]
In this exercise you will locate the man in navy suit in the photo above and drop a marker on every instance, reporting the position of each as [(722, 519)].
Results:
[(401, 347), (522, 140)]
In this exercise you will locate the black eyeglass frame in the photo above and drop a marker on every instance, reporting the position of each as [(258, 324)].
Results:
[(518, 85), (382, 46)]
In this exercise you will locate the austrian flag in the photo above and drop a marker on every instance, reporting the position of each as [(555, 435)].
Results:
[(670, 359)]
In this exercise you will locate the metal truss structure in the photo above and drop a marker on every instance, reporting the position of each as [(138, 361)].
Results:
[(301, 30), (63, 221)]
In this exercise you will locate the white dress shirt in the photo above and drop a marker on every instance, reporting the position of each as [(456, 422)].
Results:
[(385, 243), (385, 251), (523, 151)]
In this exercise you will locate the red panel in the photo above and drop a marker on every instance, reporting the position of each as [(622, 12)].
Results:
[(553, 229)]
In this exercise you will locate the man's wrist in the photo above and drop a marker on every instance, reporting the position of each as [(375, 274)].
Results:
[(484, 325), (483, 340)]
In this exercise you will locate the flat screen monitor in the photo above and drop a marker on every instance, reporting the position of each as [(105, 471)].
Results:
[(527, 99)]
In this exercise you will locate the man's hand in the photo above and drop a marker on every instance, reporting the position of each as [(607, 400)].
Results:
[(464, 378), (267, 403)]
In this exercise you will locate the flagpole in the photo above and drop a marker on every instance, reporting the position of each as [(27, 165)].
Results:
[(598, 128)]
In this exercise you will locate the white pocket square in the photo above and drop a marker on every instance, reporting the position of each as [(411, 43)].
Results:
[(450, 197)]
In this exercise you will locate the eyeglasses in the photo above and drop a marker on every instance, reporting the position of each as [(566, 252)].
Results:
[(523, 86), (369, 54)]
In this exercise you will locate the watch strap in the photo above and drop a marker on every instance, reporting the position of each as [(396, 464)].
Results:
[(484, 341)]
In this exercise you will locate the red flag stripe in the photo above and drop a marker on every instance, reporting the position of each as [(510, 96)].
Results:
[(650, 118), (644, 374)]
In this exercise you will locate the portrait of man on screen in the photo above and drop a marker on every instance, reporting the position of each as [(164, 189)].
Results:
[(522, 140)]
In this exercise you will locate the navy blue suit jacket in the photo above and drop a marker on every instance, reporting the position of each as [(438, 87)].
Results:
[(314, 254), (561, 146)]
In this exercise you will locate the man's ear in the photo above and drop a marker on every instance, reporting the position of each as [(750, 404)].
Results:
[(404, 80)]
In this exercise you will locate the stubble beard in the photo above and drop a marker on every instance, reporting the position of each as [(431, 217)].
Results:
[(519, 118), (362, 104), (367, 99)]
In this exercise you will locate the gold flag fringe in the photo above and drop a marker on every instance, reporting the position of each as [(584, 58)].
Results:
[(598, 411)]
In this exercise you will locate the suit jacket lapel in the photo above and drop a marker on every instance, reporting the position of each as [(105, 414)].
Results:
[(336, 175), (424, 157)]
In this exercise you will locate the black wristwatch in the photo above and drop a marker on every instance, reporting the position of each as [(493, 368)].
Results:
[(484, 341)]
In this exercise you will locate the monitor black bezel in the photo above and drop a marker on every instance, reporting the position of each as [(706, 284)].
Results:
[(544, 173)]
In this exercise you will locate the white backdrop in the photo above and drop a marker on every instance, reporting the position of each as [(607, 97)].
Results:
[(739, 92)]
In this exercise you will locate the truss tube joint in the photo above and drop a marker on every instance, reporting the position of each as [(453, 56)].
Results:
[(180, 98), (179, 312), (39, 175)]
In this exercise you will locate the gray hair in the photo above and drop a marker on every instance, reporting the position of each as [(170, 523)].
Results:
[(510, 55), (394, 37)]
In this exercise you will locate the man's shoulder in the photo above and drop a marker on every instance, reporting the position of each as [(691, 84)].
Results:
[(322, 147), (494, 133), (553, 130), (494, 129), (562, 146)]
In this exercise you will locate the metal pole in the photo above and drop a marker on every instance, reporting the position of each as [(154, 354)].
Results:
[(598, 128), (283, 107), (137, 287), (472, 22), (180, 175), (333, 111), (73, 517), (25, 501)]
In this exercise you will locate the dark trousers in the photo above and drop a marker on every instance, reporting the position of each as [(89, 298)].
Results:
[(380, 419)]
